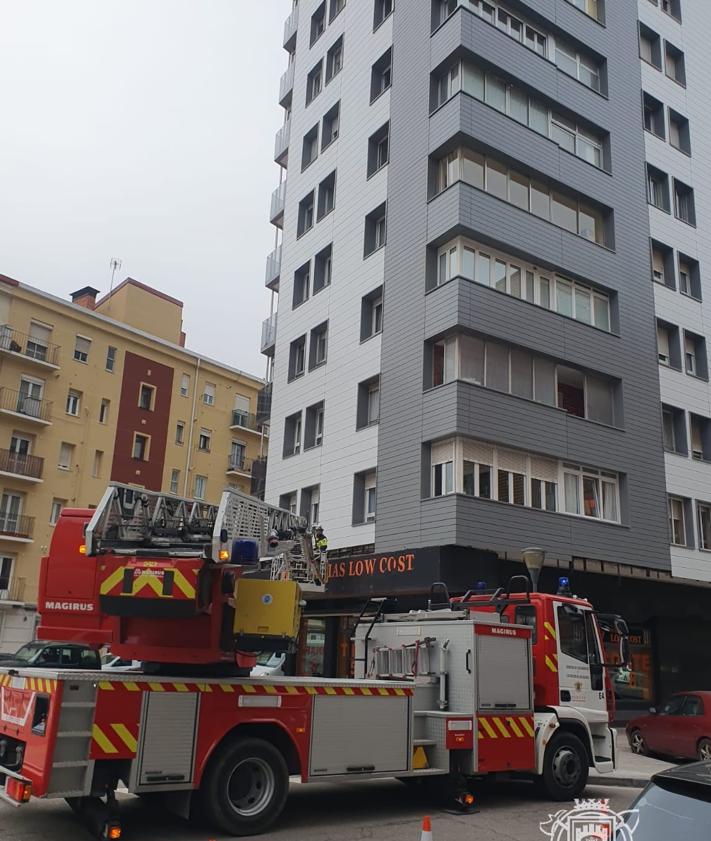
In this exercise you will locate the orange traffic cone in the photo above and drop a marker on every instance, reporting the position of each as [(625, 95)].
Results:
[(426, 830)]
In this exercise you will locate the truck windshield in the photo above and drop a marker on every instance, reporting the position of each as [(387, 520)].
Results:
[(27, 652)]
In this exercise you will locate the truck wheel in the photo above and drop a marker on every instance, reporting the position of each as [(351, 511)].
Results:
[(245, 787), (565, 767)]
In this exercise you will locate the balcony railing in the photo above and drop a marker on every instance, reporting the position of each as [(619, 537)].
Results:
[(286, 85), (16, 525), (259, 477), (22, 344), (13, 590), (281, 144), (239, 464), (271, 276), (264, 404), (276, 212), (22, 404), (290, 26), (21, 464), (245, 420), (269, 328)]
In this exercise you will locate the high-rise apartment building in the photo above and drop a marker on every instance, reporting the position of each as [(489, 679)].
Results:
[(491, 277), (93, 391)]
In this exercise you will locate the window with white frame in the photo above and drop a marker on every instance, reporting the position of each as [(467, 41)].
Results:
[(141, 446), (82, 346), (204, 439), (111, 353), (591, 493), (677, 521), (370, 483), (579, 66), (508, 23), (174, 481), (73, 402), (200, 487), (208, 394), (37, 346), (590, 7), (180, 432), (184, 385), (703, 510), (66, 456), (6, 564), (55, 510)]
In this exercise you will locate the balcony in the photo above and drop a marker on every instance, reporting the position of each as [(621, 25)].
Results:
[(245, 421), (28, 348), (239, 466), (271, 278), (276, 213), (21, 466), (16, 527), (13, 590), (264, 405), (286, 86), (29, 408), (259, 477), (291, 24), (269, 327), (281, 144)]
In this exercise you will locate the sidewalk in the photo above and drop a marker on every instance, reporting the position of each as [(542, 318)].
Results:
[(632, 770)]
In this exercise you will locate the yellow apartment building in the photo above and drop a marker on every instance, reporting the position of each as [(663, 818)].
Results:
[(98, 390)]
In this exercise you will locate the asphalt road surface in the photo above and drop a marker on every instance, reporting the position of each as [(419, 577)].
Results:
[(376, 811)]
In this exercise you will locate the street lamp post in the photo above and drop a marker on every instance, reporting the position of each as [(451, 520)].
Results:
[(533, 557)]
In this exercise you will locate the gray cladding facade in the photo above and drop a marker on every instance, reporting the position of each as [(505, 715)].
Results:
[(413, 417)]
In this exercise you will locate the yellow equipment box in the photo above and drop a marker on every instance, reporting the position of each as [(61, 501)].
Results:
[(267, 613)]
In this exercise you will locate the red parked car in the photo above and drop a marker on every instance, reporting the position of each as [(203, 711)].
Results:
[(681, 728)]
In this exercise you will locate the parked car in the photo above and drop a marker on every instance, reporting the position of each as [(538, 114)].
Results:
[(680, 728), (53, 655), (675, 804), (112, 663)]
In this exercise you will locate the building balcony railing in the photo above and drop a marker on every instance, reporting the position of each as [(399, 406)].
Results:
[(271, 277), (30, 348), (12, 590), (259, 477), (281, 144), (264, 404), (276, 212), (239, 464), (21, 464), (290, 27), (269, 328), (31, 408), (245, 420), (286, 86), (16, 526)]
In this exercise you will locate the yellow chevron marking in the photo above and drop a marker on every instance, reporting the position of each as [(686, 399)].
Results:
[(480, 734), (330, 690), (348, 691), (310, 690), (109, 583), (180, 687), (502, 729), (204, 687), (149, 581), (104, 684), (157, 687), (182, 583), (550, 629), (526, 724), (248, 688), (384, 691), (551, 665), (130, 686), (292, 690), (32, 683), (125, 735), (101, 740), (489, 729), (512, 724), (227, 687), (366, 691), (271, 690), (400, 692)]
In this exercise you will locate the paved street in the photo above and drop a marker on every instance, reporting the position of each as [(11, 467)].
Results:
[(378, 811)]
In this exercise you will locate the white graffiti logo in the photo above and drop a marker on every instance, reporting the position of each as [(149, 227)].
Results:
[(591, 820)]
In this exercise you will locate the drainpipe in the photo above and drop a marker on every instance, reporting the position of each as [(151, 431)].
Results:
[(193, 418)]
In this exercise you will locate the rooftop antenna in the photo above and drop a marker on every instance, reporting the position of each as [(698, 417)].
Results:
[(114, 265)]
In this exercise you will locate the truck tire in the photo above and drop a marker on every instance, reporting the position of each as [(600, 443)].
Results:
[(565, 767), (245, 787)]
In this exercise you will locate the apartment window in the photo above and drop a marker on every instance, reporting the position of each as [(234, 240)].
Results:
[(590, 7), (677, 521), (55, 510), (287, 502), (657, 188), (700, 429), (323, 268), (684, 207), (111, 353), (240, 413), (679, 132), (292, 435), (66, 456), (579, 66), (378, 149), (37, 346), (670, 7), (326, 196), (318, 23), (200, 487), (375, 230), (571, 391), (174, 481), (653, 115), (208, 394), (311, 503), (184, 385), (73, 402), (383, 10), (180, 432), (337, 6), (98, 459), (104, 410), (663, 264), (237, 455), (371, 314), (674, 64), (668, 345), (318, 346), (703, 510), (591, 493), (674, 429), (381, 75), (310, 147), (302, 284), (364, 497), (334, 60), (141, 444), (306, 214), (297, 357), (650, 46), (313, 426), (314, 83), (331, 124), (204, 439), (146, 397), (81, 351), (695, 355), (368, 404), (443, 478), (689, 277)]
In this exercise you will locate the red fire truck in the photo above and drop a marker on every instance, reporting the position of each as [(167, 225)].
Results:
[(506, 682)]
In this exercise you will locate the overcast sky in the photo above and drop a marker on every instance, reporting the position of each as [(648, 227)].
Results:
[(144, 130)]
